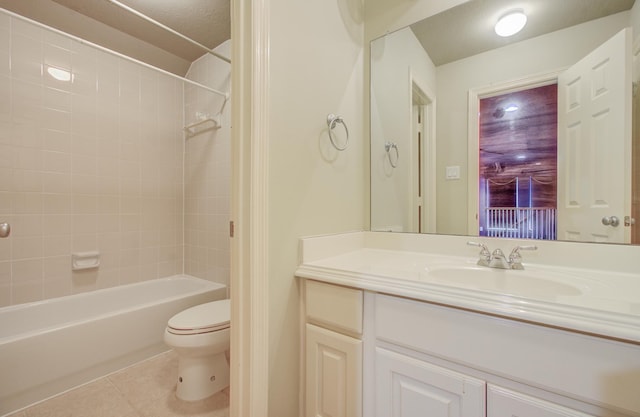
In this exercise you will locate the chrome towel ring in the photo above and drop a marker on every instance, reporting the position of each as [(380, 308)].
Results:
[(387, 147), (332, 121)]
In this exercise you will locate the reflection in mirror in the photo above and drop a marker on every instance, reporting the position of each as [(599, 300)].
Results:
[(528, 136)]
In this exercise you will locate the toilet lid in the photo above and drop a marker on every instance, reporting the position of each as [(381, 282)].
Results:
[(202, 318)]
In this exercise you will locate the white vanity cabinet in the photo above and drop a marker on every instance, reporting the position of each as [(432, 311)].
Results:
[(425, 359), (333, 350), (458, 362), (408, 387), (435, 335)]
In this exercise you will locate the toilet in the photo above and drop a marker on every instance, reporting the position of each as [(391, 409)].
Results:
[(200, 337)]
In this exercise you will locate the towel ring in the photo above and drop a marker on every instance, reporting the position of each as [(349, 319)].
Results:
[(332, 121), (387, 147)]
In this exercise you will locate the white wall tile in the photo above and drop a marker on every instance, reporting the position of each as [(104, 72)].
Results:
[(56, 245), (53, 140), (26, 247), (96, 163), (57, 225), (57, 182), (59, 162), (26, 58), (57, 99)]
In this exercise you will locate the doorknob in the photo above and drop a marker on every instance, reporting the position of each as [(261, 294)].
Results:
[(612, 221)]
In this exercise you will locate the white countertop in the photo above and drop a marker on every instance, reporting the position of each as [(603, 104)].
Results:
[(603, 302)]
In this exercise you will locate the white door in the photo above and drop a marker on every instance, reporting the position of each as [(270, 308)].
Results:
[(334, 372), (594, 144), (422, 157), (417, 143), (408, 387)]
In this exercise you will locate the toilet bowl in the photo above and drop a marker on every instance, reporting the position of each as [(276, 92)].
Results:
[(200, 337)]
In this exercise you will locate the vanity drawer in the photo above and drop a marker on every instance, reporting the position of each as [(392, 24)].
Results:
[(334, 307)]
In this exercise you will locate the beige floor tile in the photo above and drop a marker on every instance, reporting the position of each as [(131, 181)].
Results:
[(18, 414), (214, 406), (146, 389), (97, 399), (148, 380)]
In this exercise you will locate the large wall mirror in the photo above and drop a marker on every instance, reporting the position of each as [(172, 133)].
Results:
[(528, 136)]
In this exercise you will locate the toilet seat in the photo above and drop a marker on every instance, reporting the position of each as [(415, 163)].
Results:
[(203, 318)]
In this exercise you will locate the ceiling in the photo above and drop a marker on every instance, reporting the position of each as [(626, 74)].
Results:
[(459, 32), (467, 29), (106, 24)]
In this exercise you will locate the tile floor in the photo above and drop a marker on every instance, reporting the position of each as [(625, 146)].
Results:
[(146, 389)]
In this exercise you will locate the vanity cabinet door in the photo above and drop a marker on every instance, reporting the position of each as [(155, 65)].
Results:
[(334, 374), (408, 387), (502, 402)]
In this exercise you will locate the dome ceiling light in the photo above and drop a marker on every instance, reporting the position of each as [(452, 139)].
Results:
[(511, 23)]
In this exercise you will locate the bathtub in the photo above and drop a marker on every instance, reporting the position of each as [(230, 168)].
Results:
[(50, 346)]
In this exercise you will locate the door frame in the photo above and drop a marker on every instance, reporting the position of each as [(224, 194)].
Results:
[(635, 143), (473, 133), (249, 283)]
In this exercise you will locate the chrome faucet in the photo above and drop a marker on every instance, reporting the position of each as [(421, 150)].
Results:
[(497, 259)]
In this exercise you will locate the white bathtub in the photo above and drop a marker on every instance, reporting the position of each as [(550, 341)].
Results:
[(49, 346)]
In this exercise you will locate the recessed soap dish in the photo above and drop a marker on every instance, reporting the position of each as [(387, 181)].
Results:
[(85, 260)]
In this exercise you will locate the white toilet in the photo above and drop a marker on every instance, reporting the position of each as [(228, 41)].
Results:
[(200, 337)]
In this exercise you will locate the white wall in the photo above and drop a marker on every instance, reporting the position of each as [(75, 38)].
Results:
[(392, 58), (635, 20), (542, 54), (384, 16), (316, 67)]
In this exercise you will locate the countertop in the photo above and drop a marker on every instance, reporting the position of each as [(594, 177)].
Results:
[(601, 302)]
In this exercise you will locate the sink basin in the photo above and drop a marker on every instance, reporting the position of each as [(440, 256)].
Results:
[(520, 283)]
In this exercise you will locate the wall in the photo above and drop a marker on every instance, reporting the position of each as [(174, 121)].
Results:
[(92, 164), (383, 16), (316, 67), (208, 170), (542, 54), (392, 58)]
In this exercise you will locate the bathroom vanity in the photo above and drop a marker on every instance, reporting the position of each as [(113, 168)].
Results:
[(407, 325)]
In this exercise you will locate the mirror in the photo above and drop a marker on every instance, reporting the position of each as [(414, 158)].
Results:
[(451, 155)]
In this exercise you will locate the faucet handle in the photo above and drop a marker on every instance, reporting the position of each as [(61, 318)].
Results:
[(515, 259), (485, 254)]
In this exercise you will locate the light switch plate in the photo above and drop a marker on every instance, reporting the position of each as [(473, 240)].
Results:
[(453, 173)]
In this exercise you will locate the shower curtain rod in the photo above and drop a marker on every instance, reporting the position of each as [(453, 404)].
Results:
[(167, 28), (118, 54)]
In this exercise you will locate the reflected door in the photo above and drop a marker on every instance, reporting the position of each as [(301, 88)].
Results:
[(422, 155), (594, 144)]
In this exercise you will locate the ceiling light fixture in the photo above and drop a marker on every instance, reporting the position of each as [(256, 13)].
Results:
[(511, 23), (511, 107)]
